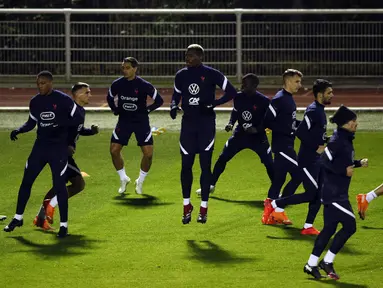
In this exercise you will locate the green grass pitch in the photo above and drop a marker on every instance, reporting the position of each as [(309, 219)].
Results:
[(139, 241)]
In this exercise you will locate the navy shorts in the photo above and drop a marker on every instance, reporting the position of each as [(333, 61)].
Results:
[(72, 170), (121, 134), (195, 138), (239, 141)]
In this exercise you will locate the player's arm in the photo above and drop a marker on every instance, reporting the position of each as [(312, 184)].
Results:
[(361, 163), (232, 120), (26, 127), (176, 98), (226, 86), (110, 98), (271, 117), (93, 130), (306, 133), (158, 101), (333, 150)]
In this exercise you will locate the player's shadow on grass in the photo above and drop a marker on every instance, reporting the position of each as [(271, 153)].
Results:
[(72, 245), (250, 203), (372, 228), (295, 234), (209, 252), (144, 201), (341, 284)]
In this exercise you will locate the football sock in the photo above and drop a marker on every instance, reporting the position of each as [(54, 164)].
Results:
[(329, 257), (371, 196), (122, 174), (313, 260), (141, 177), (186, 201), (18, 216), (307, 226), (204, 204), (53, 202)]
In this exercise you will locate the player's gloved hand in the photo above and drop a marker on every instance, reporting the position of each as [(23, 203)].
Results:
[(364, 162), (71, 150), (115, 112), (229, 127), (251, 130), (94, 129), (14, 134), (173, 110)]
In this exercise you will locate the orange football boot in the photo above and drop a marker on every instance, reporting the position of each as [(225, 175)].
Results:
[(362, 205)]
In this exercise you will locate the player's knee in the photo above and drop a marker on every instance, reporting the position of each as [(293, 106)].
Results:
[(115, 150), (81, 185), (350, 228), (149, 155)]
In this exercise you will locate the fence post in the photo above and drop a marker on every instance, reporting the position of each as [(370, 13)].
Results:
[(67, 45), (238, 41)]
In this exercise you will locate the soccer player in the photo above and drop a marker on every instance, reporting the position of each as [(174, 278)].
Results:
[(132, 111), (337, 169), (81, 93), (281, 119), (52, 111), (249, 110), (3, 217), (196, 85), (364, 199), (312, 133)]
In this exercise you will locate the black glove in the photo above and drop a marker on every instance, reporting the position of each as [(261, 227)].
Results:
[(115, 112), (173, 111), (14, 134), (94, 129), (229, 127)]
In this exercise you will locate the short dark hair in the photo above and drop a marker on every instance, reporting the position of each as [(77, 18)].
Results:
[(78, 86), (320, 85), (197, 48), (45, 74), (133, 61), (252, 78), (291, 73)]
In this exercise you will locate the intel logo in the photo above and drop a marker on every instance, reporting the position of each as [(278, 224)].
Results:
[(47, 115), (129, 107)]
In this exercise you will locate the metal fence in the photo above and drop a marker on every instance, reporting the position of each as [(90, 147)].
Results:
[(95, 49)]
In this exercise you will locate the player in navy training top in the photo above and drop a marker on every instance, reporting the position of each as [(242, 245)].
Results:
[(281, 119), (337, 169), (249, 110), (196, 85), (312, 133), (127, 98), (81, 93), (52, 111)]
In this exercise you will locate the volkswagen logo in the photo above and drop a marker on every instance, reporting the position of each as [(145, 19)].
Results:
[(246, 115), (193, 89)]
